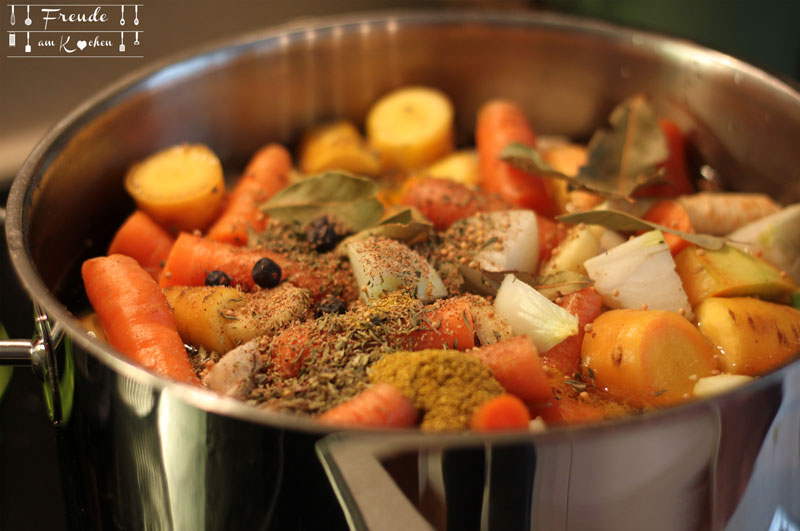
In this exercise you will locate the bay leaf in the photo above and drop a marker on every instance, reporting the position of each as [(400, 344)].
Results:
[(350, 200), (619, 161), (620, 221), (407, 226), (551, 286)]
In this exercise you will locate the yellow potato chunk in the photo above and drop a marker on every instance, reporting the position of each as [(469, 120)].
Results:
[(461, 167), (202, 314), (753, 336), (337, 146), (181, 187), (411, 127)]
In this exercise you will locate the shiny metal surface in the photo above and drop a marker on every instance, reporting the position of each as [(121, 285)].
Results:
[(145, 453)]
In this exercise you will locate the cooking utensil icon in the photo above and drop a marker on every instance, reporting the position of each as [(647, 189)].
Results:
[(121, 41), (12, 39), (136, 19), (122, 16), (28, 43), (13, 18), (136, 42), (28, 18)]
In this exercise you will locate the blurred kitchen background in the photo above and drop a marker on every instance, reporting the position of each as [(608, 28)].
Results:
[(36, 93)]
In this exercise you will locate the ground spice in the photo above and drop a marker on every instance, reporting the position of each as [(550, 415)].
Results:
[(445, 385)]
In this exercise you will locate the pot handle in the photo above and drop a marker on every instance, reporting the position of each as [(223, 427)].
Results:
[(40, 354)]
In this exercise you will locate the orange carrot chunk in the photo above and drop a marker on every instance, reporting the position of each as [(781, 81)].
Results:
[(675, 175), (586, 304), (265, 175), (135, 315), (448, 324), (144, 240), (504, 412), (382, 405), (551, 234), (516, 365), (500, 123), (444, 202), (673, 215)]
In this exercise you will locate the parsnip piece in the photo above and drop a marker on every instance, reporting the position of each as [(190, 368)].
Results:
[(267, 311), (337, 146), (776, 237), (719, 384), (646, 358), (461, 167), (753, 336), (202, 313), (181, 187), (233, 374), (411, 127), (720, 213), (580, 245)]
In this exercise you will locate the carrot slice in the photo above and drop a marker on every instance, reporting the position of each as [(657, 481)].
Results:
[(144, 240), (500, 123), (135, 315), (444, 201), (516, 365), (382, 405), (504, 412), (265, 175), (586, 304), (673, 215)]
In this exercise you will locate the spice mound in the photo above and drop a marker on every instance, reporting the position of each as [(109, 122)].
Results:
[(445, 385)]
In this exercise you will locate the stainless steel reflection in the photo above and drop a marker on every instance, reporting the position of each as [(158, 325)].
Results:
[(141, 452)]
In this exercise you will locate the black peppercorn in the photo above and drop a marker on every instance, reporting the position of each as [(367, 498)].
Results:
[(323, 235), (266, 273), (217, 278), (330, 305)]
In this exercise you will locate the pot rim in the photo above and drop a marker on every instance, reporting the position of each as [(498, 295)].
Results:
[(219, 51)]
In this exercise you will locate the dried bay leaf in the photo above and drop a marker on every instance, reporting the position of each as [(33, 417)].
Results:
[(349, 199), (407, 226), (551, 286), (620, 221)]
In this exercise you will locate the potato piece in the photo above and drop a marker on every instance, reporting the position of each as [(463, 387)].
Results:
[(267, 312), (580, 245), (202, 313), (337, 146), (719, 384), (411, 127), (646, 357), (753, 336), (181, 187), (461, 167)]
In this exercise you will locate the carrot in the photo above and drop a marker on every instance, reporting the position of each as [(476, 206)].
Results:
[(382, 405), (675, 175), (135, 315), (500, 123), (444, 201), (193, 257), (516, 365), (265, 175), (504, 412), (144, 240), (569, 411), (646, 358), (671, 214), (551, 234), (586, 304)]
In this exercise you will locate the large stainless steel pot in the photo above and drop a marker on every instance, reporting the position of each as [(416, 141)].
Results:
[(138, 451)]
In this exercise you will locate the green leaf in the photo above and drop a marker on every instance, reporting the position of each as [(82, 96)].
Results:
[(616, 220), (619, 161), (349, 199), (551, 286)]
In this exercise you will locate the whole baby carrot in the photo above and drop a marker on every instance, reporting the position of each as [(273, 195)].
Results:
[(265, 175), (144, 240), (382, 405), (135, 315), (500, 123)]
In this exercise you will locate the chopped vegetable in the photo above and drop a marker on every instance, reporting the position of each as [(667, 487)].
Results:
[(671, 214), (337, 146), (580, 245), (719, 384), (144, 240), (382, 405), (461, 167), (775, 238), (722, 213), (504, 412), (586, 304), (516, 365)]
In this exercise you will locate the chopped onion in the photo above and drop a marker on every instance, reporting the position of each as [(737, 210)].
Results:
[(532, 314), (637, 273), (517, 246)]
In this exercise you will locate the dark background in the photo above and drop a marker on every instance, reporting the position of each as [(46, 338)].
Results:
[(35, 93)]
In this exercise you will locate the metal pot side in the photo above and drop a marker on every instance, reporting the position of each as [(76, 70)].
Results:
[(141, 452)]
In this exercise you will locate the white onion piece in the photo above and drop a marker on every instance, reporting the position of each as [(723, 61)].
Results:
[(639, 272), (517, 248), (530, 313), (776, 236)]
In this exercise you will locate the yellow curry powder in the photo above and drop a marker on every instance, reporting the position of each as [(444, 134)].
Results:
[(446, 385)]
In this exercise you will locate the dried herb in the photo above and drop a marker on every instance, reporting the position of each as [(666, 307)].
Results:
[(616, 220), (620, 160), (659, 393), (578, 386), (350, 200), (551, 286), (407, 226)]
